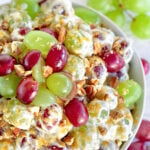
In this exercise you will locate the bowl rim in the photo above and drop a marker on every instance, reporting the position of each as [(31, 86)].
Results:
[(117, 30)]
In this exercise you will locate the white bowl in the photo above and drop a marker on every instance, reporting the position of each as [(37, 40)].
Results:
[(136, 73)]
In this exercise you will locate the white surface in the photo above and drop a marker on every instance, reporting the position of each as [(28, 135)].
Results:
[(142, 47)]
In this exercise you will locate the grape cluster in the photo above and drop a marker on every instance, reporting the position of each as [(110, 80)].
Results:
[(133, 13)]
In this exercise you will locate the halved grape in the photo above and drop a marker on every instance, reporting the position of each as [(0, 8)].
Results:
[(31, 6), (8, 85), (59, 84), (87, 15), (130, 91), (146, 66), (140, 26), (39, 40), (117, 16), (139, 6), (37, 71), (44, 97)]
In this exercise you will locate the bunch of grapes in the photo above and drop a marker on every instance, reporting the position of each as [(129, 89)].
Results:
[(135, 13)]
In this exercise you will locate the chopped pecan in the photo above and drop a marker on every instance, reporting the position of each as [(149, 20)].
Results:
[(62, 34), (15, 48), (96, 33), (2, 123), (16, 131), (80, 90), (102, 130), (27, 73), (1, 46), (19, 70), (120, 100), (115, 115), (5, 25), (106, 97), (93, 26), (68, 140), (93, 81), (97, 48), (90, 91), (113, 82), (47, 70)]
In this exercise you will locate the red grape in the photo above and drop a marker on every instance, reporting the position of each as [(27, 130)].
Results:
[(76, 112), (51, 32), (144, 131), (24, 30), (31, 58), (146, 66), (27, 90), (136, 146), (57, 57), (114, 62), (6, 64)]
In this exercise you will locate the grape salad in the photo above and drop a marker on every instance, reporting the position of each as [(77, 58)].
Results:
[(64, 81)]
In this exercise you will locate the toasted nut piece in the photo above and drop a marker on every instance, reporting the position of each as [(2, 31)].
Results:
[(5, 25), (19, 70), (80, 90), (120, 100), (106, 97), (16, 131), (115, 115), (102, 130), (68, 140), (93, 82), (15, 48), (62, 34), (47, 70), (113, 82), (97, 48), (27, 73), (90, 91), (93, 26), (96, 33)]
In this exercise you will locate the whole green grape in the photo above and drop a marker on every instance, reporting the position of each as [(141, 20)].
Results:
[(87, 15), (39, 40), (37, 71), (138, 6), (31, 6), (140, 26), (130, 91), (44, 97), (117, 16), (100, 5), (8, 85), (59, 84)]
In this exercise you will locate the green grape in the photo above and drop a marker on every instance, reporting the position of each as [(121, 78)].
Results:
[(39, 40), (8, 85), (44, 97), (18, 114), (130, 91), (87, 15), (140, 26), (75, 66), (117, 16), (100, 5), (59, 84), (31, 6), (138, 6), (37, 71)]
